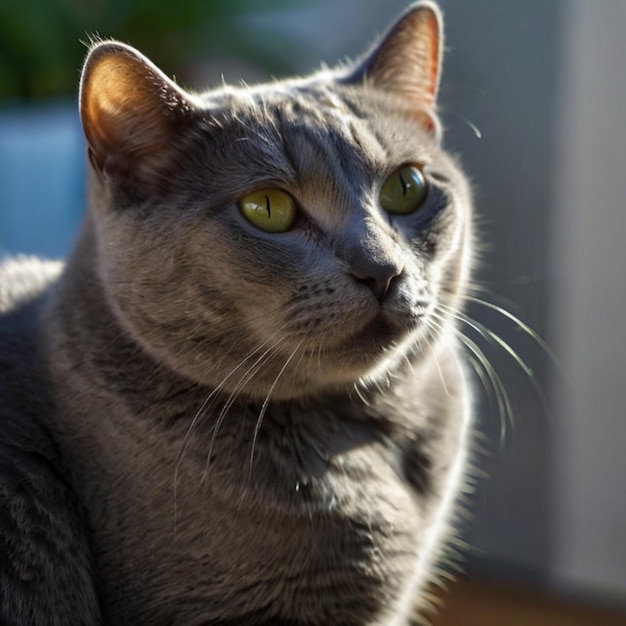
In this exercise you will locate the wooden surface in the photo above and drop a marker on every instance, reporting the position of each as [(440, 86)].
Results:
[(483, 604)]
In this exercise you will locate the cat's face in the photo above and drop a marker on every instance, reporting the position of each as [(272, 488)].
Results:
[(283, 239)]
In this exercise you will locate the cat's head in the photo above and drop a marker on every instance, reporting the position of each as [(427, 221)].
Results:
[(287, 238)]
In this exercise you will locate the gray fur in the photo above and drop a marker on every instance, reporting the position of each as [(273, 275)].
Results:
[(203, 423)]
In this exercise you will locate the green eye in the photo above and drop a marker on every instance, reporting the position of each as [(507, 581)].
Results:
[(270, 210), (404, 191)]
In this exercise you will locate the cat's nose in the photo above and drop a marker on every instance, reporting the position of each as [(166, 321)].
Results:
[(371, 256), (378, 277)]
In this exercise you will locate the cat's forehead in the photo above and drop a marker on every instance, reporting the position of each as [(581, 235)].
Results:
[(318, 90), (322, 128)]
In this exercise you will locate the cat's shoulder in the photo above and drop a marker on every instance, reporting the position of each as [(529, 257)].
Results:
[(45, 572), (23, 278), (23, 384)]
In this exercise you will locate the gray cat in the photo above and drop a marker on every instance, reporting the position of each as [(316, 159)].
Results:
[(242, 401)]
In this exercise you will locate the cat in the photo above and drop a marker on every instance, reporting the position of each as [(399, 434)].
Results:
[(242, 399)]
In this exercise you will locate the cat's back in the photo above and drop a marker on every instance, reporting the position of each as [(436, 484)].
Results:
[(24, 285), (22, 279)]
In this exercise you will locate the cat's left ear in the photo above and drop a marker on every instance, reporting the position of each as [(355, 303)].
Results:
[(131, 113), (407, 61)]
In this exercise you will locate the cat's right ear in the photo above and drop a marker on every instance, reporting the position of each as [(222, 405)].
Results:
[(130, 112), (406, 62)]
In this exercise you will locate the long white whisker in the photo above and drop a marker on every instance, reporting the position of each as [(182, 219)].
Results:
[(243, 381), (265, 405), (185, 442), (505, 409), (213, 393), (494, 338), (438, 323), (527, 329)]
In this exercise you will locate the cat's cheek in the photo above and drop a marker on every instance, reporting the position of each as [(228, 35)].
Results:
[(452, 259)]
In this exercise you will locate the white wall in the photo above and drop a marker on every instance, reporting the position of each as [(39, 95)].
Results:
[(588, 316)]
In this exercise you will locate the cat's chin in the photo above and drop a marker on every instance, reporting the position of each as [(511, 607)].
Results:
[(367, 352), (380, 334)]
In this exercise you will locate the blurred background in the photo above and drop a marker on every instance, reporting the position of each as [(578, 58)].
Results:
[(533, 99)]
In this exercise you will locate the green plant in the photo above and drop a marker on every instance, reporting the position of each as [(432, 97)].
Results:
[(42, 42)]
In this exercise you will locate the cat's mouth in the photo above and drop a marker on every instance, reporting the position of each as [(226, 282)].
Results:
[(361, 351), (384, 329), (368, 342)]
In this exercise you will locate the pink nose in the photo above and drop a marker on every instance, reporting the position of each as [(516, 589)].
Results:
[(377, 277)]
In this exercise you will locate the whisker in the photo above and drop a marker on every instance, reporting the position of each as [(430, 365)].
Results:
[(527, 329), (214, 392), (438, 323), (505, 410), (202, 410), (494, 338), (243, 381), (259, 421), (357, 389)]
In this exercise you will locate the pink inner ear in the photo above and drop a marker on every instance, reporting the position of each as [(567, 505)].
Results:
[(129, 108), (433, 52), (107, 97), (408, 61)]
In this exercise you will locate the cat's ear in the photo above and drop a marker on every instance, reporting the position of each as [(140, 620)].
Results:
[(130, 112), (407, 60)]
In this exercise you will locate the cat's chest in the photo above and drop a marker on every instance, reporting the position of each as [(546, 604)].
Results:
[(302, 525)]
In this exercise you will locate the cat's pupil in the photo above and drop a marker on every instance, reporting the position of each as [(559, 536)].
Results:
[(404, 185)]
